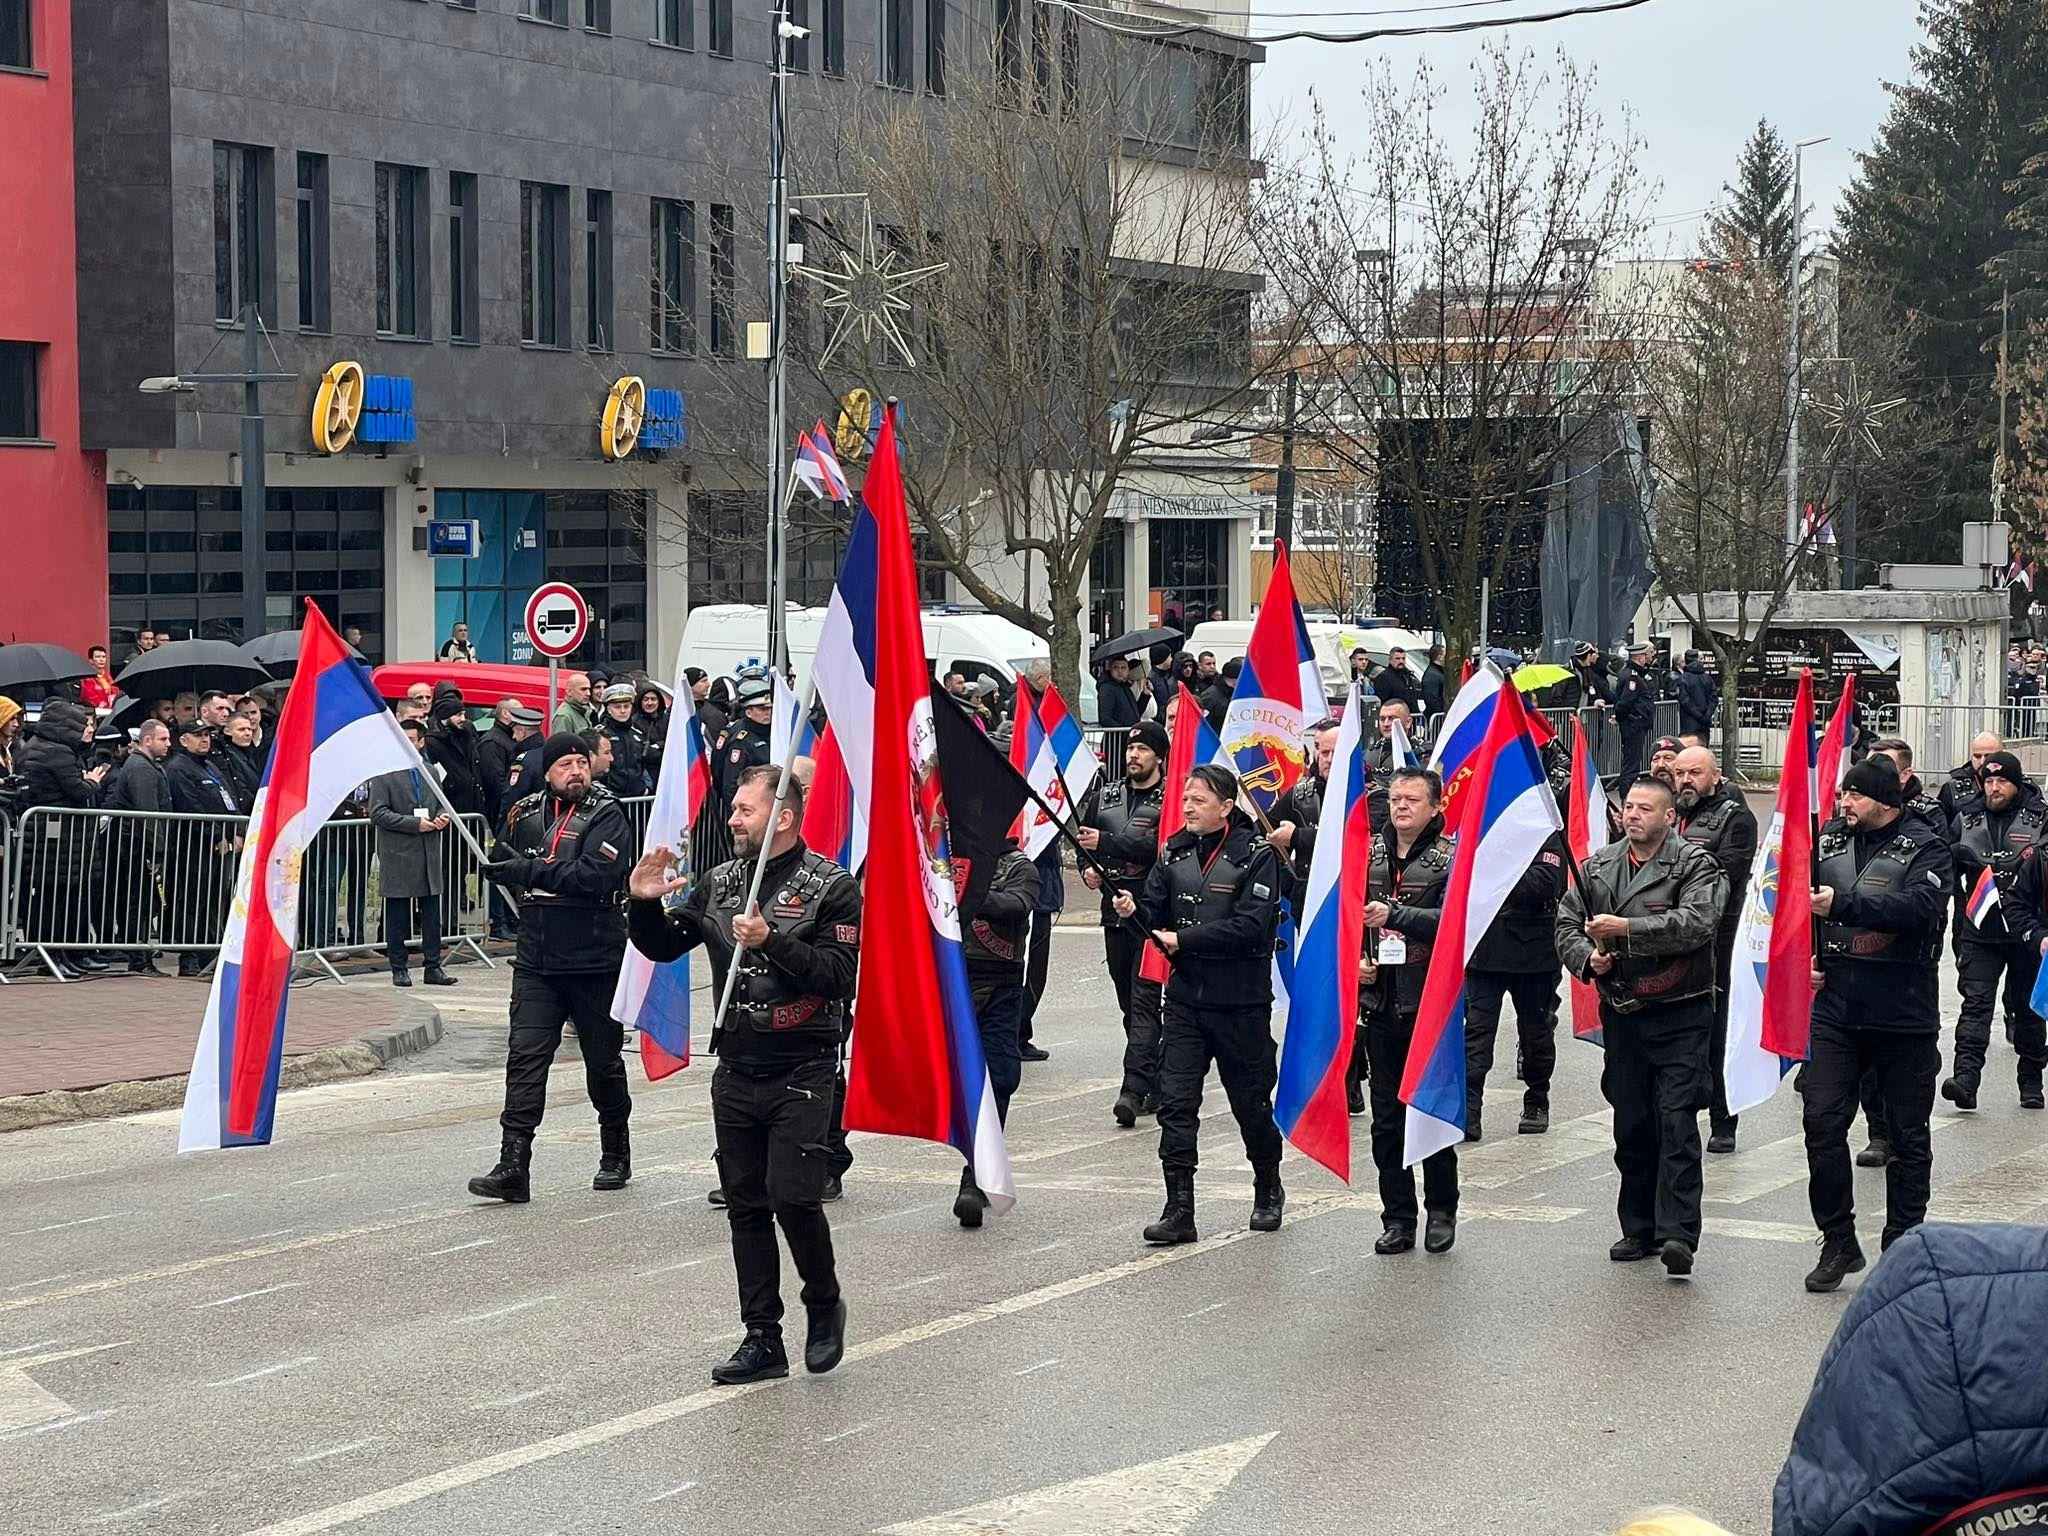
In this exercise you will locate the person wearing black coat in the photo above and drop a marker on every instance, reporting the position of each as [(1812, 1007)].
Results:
[(1997, 832), (1712, 815), (59, 867), (992, 942), (494, 752), (454, 748), (134, 845), (239, 756), (1698, 699), (1216, 701), (1635, 708), (1115, 704), (1517, 957), (627, 777), (650, 727), (1395, 681), (199, 870), (1433, 684)]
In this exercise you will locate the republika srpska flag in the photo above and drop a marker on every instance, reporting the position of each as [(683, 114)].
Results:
[(1031, 754), (917, 1066), (655, 999), (334, 732), (1279, 695), (1510, 813), (1322, 1017), (1770, 995)]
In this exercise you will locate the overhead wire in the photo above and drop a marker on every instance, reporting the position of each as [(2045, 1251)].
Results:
[(1093, 15)]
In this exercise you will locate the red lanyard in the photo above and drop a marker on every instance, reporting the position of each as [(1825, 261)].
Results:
[(560, 826), (1214, 854)]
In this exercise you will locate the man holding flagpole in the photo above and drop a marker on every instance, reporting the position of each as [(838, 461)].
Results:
[(778, 1050), (1994, 837)]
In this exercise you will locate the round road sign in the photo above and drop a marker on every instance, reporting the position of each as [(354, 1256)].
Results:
[(557, 619)]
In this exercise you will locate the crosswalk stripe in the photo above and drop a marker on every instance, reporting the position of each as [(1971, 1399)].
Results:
[(1773, 1166), (2005, 1191), (1496, 1164)]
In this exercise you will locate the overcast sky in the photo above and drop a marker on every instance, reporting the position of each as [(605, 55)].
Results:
[(1696, 73)]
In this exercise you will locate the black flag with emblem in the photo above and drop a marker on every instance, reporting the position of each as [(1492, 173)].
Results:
[(984, 796)]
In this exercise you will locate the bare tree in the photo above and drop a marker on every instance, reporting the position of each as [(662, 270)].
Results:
[(1453, 300), (1087, 193)]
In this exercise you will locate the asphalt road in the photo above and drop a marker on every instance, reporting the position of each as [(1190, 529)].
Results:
[(330, 1334)]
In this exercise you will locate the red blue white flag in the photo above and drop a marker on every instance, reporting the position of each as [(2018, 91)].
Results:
[(1031, 754), (1585, 833), (1460, 737), (1983, 897), (828, 805), (333, 733), (1831, 765), (1079, 766), (917, 1066), (1322, 1018), (1279, 695), (655, 999), (1770, 995), (1510, 814), (818, 466)]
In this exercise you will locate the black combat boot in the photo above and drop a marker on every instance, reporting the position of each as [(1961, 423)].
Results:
[(1839, 1256), (1876, 1154), (1960, 1090), (436, 977), (2030, 1091), (1126, 1109), (1535, 1119), (1472, 1122), (970, 1202), (1176, 1224), (760, 1357), (1268, 1198), (508, 1181), (614, 1158)]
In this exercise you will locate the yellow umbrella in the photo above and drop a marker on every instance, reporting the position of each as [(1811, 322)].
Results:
[(1539, 674)]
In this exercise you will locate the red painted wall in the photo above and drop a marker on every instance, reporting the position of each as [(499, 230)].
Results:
[(53, 501)]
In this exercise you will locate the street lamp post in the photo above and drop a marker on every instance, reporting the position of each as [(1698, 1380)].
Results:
[(1793, 534), (252, 378), (1283, 481)]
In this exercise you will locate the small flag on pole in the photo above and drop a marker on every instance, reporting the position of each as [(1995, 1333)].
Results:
[(1983, 897), (818, 467)]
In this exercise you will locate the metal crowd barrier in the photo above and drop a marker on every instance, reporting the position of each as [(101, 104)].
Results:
[(710, 838), (138, 883), (7, 857)]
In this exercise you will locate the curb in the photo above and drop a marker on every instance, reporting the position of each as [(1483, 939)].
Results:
[(419, 1026)]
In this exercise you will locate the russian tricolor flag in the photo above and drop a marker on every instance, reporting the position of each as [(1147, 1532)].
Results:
[(333, 733), (1510, 814), (1279, 695), (1983, 897), (1322, 1018), (917, 1069), (655, 999)]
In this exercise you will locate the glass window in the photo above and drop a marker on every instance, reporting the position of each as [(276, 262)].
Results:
[(403, 304), (555, 11), (720, 18), (597, 16), (1009, 49), (675, 23), (462, 256), (20, 401), (244, 232), (1189, 575), (1106, 582), (935, 46), (543, 263), (723, 274), (17, 47), (593, 539), (798, 53), (832, 19), (314, 298), (895, 44), (597, 272), (1186, 97), (672, 301)]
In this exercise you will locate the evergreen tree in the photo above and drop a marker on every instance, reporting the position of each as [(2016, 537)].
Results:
[(1758, 208), (1931, 209)]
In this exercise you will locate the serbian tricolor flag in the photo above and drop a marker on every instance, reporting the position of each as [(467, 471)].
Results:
[(333, 733), (1279, 695), (1031, 754), (1510, 814), (1308, 1101), (828, 805), (1459, 739), (1079, 767), (655, 999), (843, 668), (1585, 833), (1193, 742), (1983, 897), (1831, 763), (1770, 995), (818, 466), (919, 1070)]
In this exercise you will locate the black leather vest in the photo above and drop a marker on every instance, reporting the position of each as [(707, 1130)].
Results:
[(1973, 831), (1203, 896), (1118, 806), (997, 946), (1835, 864), (764, 997), (530, 829), (1709, 825), (1401, 985)]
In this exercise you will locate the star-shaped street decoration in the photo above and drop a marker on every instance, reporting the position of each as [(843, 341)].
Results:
[(868, 291), (1853, 418)]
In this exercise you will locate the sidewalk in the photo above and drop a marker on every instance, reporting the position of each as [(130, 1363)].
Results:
[(65, 1038)]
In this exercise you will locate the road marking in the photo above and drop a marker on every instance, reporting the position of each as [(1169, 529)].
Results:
[(403, 1495), (268, 1290), (332, 1451), (482, 1242), (1214, 1306), (25, 1285), (584, 1221), (521, 1397), (23, 1403), (517, 1306), (2004, 1191), (268, 1370), (1761, 1231), (668, 1269), (318, 1178), (1155, 1498), (22, 1349), (846, 1433), (1032, 1370), (1058, 1242), (136, 1509), (71, 1423), (227, 1194), (1537, 1213), (218, 1260), (920, 1280), (1493, 1165), (280, 1232), (671, 1493), (1764, 1170), (60, 1226)]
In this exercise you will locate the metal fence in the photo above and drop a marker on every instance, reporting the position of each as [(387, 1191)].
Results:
[(138, 883)]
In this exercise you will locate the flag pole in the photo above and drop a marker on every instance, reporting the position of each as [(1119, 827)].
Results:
[(782, 782), (433, 783)]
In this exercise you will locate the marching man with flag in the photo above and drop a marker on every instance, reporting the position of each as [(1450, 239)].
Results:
[(1880, 884), (796, 952), (1641, 927), (1994, 839)]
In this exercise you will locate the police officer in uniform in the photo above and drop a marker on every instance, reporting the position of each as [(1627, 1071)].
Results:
[(1997, 831), (797, 953), (1120, 827), (1881, 881), (564, 856), (1713, 817), (1409, 863), (993, 941), (1643, 931), (1517, 957), (745, 743), (1212, 902), (1635, 707)]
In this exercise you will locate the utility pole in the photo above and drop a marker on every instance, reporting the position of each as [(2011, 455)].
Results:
[(778, 362), (1793, 533), (1998, 459), (1283, 482)]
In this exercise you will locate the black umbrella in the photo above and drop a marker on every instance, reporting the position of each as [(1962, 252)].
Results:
[(32, 663), (1137, 640), (278, 652), (189, 666), (126, 713)]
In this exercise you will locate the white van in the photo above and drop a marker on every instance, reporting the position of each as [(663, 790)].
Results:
[(1331, 641), (724, 637)]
